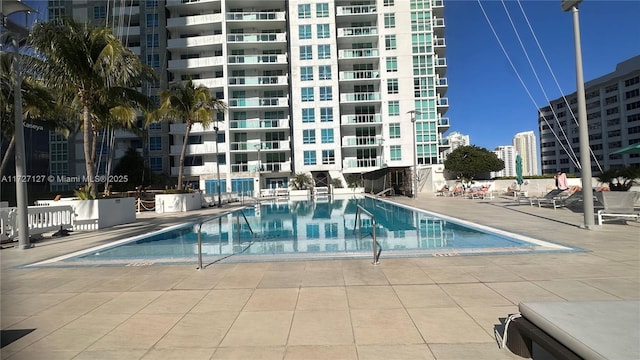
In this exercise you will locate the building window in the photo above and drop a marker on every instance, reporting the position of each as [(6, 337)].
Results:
[(324, 72), (309, 136), (155, 126), (155, 143), (389, 3), (392, 64), (328, 157), (304, 11), (309, 157), (632, 94), (308, 115), (304, 32), (396, 152), (306, 52), (323, 31), (326, 114), (322, 10), (153, 40), (152, 20), (153, 60), (99, 12), (633, 105), (389, 21), (394, 108), (306, 73), (392, 86), (155, 164), (307, 93), (394, 131), (390, 42), (324, 51), (632, 81), (326, 93), (326, 136)]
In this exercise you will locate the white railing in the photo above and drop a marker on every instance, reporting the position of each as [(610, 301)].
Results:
[(40, 219)]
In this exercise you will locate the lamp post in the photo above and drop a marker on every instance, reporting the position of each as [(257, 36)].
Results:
[(216, 128), (414, 182), (585, 159), (259, 147)]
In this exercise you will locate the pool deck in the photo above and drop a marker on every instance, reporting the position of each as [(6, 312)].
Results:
[(414, 308)]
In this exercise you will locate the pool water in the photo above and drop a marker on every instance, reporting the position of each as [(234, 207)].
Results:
[(293, 230)]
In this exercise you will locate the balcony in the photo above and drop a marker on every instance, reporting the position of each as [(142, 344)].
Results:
[(208, 147), (195, 41), (276, 145), (439, 46), (259, 124), (206, 169), (196, 63), (132, 10), (359, 141), (257, 59), (256, 38), (357, 54), (135, 50), (181, 128), (128, 32), (442, 85), (437, 24), (359, 75), (259, 102), (256, 16), (194, 21), (360, 119), (210, 82), (437, 7), (360, 97), (442, 105), (358, 31), (356, 10), (440, 65), (443, 124), (258, 80), (353, 163)]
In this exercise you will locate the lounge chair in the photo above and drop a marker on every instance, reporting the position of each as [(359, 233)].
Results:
[(550, 195), (618, 205), (565, 198)]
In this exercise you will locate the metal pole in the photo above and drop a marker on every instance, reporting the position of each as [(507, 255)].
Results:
[(21, 185), (218, 166), (585, 159), (200, 247), (414, 182), (375, 242)]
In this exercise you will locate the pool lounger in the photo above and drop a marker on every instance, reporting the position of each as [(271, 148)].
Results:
[(576, 330)]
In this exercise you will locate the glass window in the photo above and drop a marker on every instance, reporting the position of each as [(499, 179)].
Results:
[(322, 10), (326, 136), (324, 72), (394, 131), (306, 73), (323, 31), (390, 42), (388, 2), (153, 60), (392, 64), (326, 114), (328, 157), (152, 3), (394, 108), (155, 126), (155, 143), (396, 152), (389, 21), (306, 52), (392, 86), (304, 11), (153, 40), (152, 20), (304, 32), (155, 164), (309, 136), (309, 157), (307, 93), (308, 115), (324, 51), (99, 12), (326, 93)]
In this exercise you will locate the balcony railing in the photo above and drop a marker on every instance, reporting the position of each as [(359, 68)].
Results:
[(255, 16), (361, 163), (258, 80), (350, 54), (363, 96), (358, 31), (361, 119), (356, 10), (194, 20), (257, 59), (208, 61), (195, 41), (256, 37), (257, 102), (356, 75), (258, 124), (362, 140)]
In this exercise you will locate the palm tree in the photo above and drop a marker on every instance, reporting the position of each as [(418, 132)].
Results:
[(87, 65), (191, 104)]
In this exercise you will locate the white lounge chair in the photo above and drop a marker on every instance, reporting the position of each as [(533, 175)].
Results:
[(618, 205)]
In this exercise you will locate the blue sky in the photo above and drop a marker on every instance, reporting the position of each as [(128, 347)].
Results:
[(486, 99)]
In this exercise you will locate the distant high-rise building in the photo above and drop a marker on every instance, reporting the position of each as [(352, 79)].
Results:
[(525, 145), (613, 115), (455, 140), (507, 154)]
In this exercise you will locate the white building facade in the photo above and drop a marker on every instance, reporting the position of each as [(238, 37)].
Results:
[(455, 140), (508, 155), (525, 144)]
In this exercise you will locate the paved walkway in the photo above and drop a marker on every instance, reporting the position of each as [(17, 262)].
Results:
[(415, 308)]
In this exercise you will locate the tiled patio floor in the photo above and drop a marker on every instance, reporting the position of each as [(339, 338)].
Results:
[(414, 308)]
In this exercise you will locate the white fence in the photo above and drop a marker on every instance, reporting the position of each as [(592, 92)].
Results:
[(40, 220)]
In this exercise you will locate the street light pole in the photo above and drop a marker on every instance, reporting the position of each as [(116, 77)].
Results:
[(258, 147), (585, 159), (414, 182), (216, 128)]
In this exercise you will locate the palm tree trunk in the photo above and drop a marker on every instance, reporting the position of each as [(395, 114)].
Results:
[(87, 141), (182, 155), (7, 155)]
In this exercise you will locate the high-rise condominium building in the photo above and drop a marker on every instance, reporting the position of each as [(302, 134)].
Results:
[(525, 144), (455, 140), (323, 87), (508, 155), (613, 115)]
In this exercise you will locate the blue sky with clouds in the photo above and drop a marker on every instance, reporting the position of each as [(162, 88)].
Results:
[(487, 101)]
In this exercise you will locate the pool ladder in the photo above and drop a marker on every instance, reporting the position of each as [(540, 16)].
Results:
[(217, 217), (377, 249)]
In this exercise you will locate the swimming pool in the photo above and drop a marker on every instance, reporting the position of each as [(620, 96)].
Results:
[(302, 229)]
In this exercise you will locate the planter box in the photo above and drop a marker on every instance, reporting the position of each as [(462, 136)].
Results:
[(102, 213), (166, 203)]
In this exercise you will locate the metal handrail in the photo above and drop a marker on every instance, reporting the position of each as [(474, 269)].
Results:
[(377, 249), (218, 216)]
